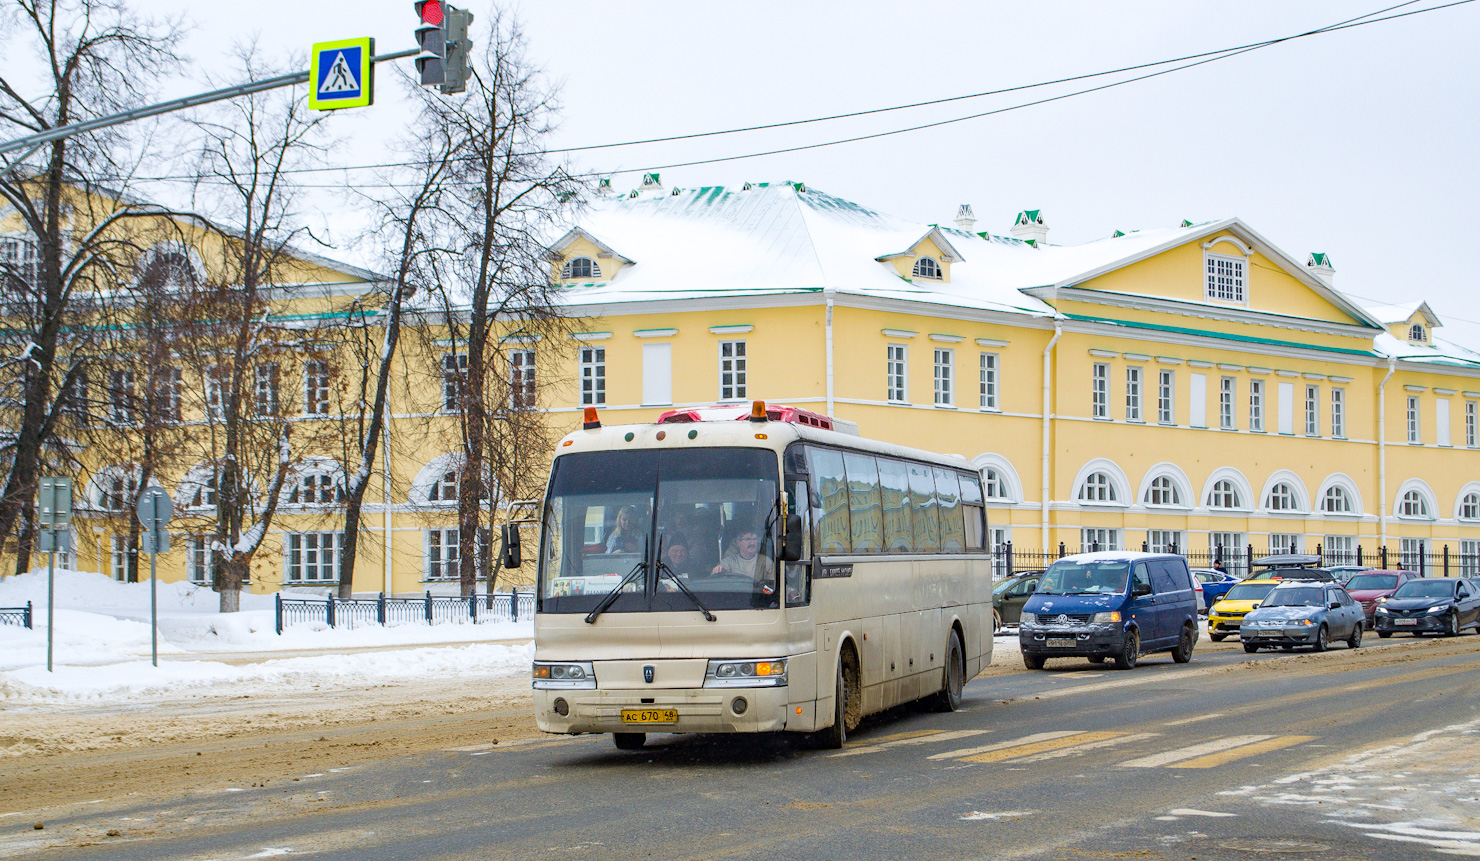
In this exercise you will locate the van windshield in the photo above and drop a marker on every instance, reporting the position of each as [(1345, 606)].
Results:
[(1084, 578), (642, 522)]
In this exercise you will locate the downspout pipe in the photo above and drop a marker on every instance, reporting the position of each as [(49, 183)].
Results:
[(828, 329), (1058, 331), (1382, 516)]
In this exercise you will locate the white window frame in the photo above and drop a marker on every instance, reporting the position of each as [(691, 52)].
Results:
[(318, 487), (1415, 429), (1226, 278), (167, 394), (593, 376), (523, 391), (1472, 431), (316, 387), (1342, 548), (1282, 498), (897, 373), (323, 547), (1414, 505), (935, 272), (1163, 491), (1133, 394), (569, 273), (265, 388), (1469, 558), (1469, 507), (1100, 391), (1409, 551), (121, 385), (1256, 406), (440, 554), (201, 558), (732, 365), (454, 379), (118, 554), (1166, 541), (1336, 500), (1281, 542), (989, 381), (945, 377), (1312, 410), (1108, 538), (1097, 487), (1338, 412), (1225, 491), (1166, 397), (1227, 395)]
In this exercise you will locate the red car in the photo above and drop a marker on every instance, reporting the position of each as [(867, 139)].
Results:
[(1371, 588)]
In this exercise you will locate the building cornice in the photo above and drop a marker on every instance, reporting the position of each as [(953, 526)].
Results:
[(1157, 304)]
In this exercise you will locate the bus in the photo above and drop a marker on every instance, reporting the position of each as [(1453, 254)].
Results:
[(725, 572)]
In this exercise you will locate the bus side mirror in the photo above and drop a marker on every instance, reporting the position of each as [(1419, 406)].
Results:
[(510, 550), (791, 545)]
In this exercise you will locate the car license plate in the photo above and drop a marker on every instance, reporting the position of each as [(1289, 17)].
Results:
[(1269, 633), (649, 715), (1405, 621), (1061, 644)]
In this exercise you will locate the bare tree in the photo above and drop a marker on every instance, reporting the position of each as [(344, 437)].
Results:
[(501, 280), (98, 58)]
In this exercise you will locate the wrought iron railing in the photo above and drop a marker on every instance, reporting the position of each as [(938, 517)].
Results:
[(428, 609), (16, 615), (1009, 560)]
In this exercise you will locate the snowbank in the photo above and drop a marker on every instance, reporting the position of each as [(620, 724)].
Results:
[(101, 645)]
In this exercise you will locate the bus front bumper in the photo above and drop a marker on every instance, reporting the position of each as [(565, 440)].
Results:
[(682, 710)]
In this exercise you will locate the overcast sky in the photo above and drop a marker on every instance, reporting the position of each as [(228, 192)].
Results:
[(1359, 143)]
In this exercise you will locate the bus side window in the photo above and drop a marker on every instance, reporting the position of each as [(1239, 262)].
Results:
[(948, 498), (799, 573), (863, 503), (925, 513), (834, 533), (973, 511), (894, 487)]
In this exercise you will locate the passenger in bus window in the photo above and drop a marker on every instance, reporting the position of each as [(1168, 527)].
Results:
[(626, 534), (743, 557), (676, 556)]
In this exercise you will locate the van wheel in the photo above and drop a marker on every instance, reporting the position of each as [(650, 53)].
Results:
[(1033, 662), (1097, 659), (629, 740), (948, 698), (1183, 653), (996, 622), (1130, 654), (1383, 635), (1217, 638), (835, 736)]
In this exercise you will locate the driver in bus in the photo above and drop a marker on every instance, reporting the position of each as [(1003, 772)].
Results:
[(745, 559)]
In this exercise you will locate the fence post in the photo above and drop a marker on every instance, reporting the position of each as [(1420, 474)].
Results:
[(1359, 555), (278, 606), (429, 606), (1320, 554), (1009, 558), (28, 616), (1383, 551), (473, 606), (1061, 550), (1446, 560), (380, 609), (330, 606), (513, 603)]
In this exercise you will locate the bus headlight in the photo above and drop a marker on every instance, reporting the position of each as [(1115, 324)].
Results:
[(551, 676), (769, 673)]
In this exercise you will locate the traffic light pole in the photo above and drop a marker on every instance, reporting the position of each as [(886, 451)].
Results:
[(36, 141)]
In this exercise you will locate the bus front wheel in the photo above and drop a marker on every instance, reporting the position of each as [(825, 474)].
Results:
[(629, 740), (833, 737), (948, 698)]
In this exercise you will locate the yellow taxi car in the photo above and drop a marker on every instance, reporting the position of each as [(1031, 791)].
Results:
[(1225, 617)]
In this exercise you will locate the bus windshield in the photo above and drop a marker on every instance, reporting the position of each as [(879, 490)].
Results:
[(647, 523)]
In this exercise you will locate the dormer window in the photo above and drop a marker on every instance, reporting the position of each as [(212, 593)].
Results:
[(926, 267), (579, 268), (1225, 278), (1416, 333)]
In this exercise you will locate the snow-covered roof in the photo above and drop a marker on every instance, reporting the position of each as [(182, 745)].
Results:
[(1439, 352), (1403, 311)]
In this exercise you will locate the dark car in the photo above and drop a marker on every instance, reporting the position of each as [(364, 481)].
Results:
[(1009, 596), (1215, 583), (1290, 566), (1430, 605), (1303, 613), (1371, 588)]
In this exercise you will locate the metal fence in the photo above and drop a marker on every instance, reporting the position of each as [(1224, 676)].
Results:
[(16, 615), (1238, 561), (427, 610)]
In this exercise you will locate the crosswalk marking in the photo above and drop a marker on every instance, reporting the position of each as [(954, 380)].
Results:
[(1227, 756), (1094, 745), (1024, 750), (1196, 750), (1195, 719), (912, 739), (1027, 739)]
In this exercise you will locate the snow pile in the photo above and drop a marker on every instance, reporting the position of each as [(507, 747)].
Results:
[(102, 645)]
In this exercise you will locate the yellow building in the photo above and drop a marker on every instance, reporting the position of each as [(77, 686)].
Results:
[(1190, 387)]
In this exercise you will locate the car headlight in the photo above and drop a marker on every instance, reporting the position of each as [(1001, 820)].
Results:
[(770, 673), (1028, 619), (1383, 611), (1441, 609), (1102, 618), (1382, 599), (550, 676)]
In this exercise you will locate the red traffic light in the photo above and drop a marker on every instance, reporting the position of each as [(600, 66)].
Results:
[(431, 12)]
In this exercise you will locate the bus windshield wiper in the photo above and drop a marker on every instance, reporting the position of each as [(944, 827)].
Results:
[(663, 569), (639, 569)]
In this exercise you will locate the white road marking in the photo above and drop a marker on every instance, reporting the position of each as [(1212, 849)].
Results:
[(1089, 745), (1196, 750), (923, 739), (1193, 719), (1003, 745), (977, 815), (1188, 811)]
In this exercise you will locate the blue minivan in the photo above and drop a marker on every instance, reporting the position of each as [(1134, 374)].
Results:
[(1112, 604)]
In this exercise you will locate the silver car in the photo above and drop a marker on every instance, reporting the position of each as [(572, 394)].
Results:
[(1303, 613)]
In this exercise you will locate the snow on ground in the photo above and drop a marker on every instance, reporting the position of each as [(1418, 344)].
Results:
[(102, 645)]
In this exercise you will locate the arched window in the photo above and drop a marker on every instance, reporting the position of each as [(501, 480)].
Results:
[(1469, 507), (1336, 501), (1224, 495), (205, 494), (1416, 332), (579, 268), (117, 491), (1414, 505), (1097, 488), (445, 489), (992, 484), (1281, 498), (1163, 492), (316, 487), (166, 268), (926, 267)]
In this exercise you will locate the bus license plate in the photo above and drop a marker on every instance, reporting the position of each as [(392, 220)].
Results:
[(649, 715), (1405, 621), (1061, 644)]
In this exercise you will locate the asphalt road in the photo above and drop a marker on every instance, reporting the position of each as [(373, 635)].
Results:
[(1368, 755)]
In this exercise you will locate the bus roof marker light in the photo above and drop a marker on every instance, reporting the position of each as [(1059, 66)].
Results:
[(757, 411), (592, 421), (628, 437), (693, 434)]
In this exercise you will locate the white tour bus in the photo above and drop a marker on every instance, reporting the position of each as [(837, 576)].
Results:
[(720, 571)]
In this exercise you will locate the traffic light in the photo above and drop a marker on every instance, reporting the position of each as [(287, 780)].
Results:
[(442, 37), (431, 38)]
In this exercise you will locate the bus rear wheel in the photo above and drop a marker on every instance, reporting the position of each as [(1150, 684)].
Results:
[(629, 740), (948, 698)]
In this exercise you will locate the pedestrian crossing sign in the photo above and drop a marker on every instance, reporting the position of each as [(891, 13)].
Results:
[(341, 74)]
